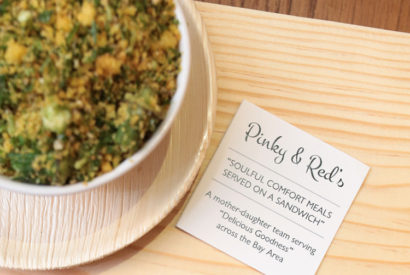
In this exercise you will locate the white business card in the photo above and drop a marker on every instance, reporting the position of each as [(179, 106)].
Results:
[(273, 196)]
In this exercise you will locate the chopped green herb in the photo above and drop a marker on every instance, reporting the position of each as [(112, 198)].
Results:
[(45, 16), (94, 31), (4, 6), (72, 33), (21, 163), (4, 93)]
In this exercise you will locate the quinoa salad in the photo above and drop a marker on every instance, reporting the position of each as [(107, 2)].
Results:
[(83, 84)]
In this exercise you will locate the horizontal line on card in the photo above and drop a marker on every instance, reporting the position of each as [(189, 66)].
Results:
[(292, 181)]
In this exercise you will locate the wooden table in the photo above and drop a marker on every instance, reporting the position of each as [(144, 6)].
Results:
[(352, 91)]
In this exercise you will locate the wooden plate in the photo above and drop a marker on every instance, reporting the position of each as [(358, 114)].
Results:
[(46, 232)]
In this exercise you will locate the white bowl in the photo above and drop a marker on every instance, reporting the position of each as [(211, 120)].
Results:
[(141, 154)]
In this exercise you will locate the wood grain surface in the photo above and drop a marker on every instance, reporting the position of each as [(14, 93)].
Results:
[(385, 14), (347, 85)]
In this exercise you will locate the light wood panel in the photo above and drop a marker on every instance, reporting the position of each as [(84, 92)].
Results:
[(385, 14), (347, 85)]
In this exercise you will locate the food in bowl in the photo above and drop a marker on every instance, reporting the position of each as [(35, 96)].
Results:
[(83, 84)]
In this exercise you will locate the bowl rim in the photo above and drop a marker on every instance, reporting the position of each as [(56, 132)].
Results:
[(142, 153)]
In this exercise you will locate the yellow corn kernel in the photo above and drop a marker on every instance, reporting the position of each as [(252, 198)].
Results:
[(15, 52), (123, 44), (7, 145), (168, 40), (64, 23), (107, 65), (101, 40), (131, 10), (106, 167), (60, 38), (87, 14)]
